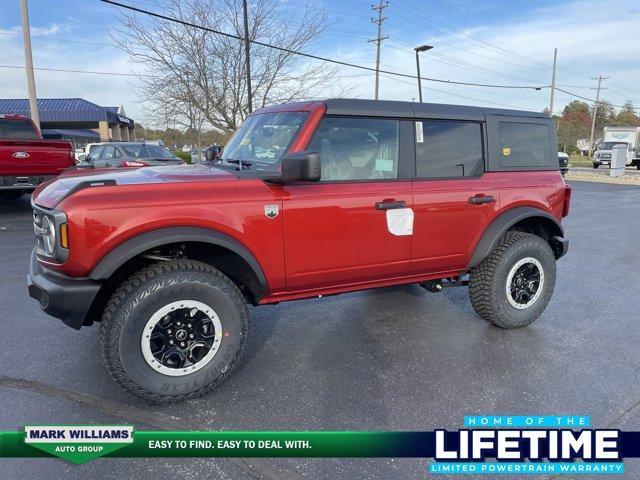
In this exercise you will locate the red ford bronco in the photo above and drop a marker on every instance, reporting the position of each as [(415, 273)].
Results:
[(309, 199)]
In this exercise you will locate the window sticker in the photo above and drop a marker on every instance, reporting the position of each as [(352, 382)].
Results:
[(384, 165), (419, 134), (506, 151)]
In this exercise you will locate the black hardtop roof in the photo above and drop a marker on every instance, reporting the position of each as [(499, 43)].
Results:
[(386, 108)]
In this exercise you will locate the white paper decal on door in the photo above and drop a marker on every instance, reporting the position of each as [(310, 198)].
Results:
[(400, 221)]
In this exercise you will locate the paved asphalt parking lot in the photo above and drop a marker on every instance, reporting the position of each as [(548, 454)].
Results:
[(389, 359)]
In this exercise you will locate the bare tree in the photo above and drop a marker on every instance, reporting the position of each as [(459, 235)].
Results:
[(197, 77)]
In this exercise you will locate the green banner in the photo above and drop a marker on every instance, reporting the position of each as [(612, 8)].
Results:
[(63, 442)]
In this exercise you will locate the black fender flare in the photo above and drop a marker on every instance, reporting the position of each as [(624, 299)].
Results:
[(502, 223), (162, 236)]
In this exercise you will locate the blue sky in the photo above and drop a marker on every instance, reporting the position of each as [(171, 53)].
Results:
[(494, 41)]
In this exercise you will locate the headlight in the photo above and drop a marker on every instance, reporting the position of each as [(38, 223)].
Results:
[(49, 235), (52, 234)]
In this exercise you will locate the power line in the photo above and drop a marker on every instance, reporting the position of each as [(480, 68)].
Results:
[(591, 99), (316, 57), (64, 70)]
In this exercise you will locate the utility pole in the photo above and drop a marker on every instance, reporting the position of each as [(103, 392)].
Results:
[(595, 112), (379, 8), (553, 81), (246, 53), (28, 60)]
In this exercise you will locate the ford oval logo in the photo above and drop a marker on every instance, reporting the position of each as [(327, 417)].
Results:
[(21, 155)]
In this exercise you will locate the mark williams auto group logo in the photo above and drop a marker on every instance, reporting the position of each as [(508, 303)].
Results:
[(78, 444), (527, 445)]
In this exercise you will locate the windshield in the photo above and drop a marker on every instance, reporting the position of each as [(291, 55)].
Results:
[(610, 145), (263, 139), (147, 151)]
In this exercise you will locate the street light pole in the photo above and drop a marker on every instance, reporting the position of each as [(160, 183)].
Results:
[(422, 48), (28, 60), (246, 52)]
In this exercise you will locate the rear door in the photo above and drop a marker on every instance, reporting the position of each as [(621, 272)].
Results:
[(354, 225), (454, 199)]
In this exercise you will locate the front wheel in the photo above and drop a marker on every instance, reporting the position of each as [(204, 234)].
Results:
[(513, 285), (174, 331), (596, 165)]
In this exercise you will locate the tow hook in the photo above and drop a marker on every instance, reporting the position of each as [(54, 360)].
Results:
[(432, 285)]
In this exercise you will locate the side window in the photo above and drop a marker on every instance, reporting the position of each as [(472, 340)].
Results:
[(447, 148), (117, 154), (95, 154), (109, 152), (523, 145), (353, 148)]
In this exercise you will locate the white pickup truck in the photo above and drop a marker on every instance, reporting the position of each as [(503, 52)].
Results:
[(628, 136)]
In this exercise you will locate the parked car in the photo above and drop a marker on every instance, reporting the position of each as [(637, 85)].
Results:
[(311, 199), (26, 160), (563, 163), (129, 154)]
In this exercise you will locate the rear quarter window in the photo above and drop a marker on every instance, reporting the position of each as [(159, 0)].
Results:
[(524, 145), (17, 130)]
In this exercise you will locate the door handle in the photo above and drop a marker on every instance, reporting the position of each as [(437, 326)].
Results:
[(390, 205), (479, 199)]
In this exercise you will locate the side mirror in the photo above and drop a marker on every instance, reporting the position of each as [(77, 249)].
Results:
[(209, 155), (82, 157), (302, 166)]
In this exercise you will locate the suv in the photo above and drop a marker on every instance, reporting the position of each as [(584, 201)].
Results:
[(310, 199)]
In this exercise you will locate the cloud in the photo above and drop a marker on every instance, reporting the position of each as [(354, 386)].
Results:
[(105, 90), (592, 38)]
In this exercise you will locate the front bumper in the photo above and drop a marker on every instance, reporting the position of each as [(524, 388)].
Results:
[(66, 298)]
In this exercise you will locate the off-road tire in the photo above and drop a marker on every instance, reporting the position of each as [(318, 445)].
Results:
[(135, 301), (487, 281), (11, 195)]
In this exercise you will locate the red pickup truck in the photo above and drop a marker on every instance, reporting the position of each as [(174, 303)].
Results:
[(310, 199), (27, 160)]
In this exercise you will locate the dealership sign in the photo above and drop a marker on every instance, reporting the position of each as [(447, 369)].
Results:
[(78, 444), (515, 445)]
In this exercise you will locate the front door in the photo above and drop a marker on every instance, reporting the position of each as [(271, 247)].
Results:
[(354, 226), (454, 199)]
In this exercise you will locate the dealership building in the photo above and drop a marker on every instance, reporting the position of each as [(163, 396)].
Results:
[(75, 119)]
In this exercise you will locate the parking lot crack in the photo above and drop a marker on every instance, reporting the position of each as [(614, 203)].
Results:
[(255, 467)]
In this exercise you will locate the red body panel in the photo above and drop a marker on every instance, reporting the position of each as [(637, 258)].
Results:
[(102, 218), (335, 236), (328, 237), (34, 157)]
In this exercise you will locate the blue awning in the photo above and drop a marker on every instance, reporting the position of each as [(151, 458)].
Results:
[(69, 133), (64, 110)]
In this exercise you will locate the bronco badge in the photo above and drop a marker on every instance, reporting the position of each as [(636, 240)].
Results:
[(271, 211)]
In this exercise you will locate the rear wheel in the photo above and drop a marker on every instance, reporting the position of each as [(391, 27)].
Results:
[(11, 195), (174, 331), (513, 285)]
